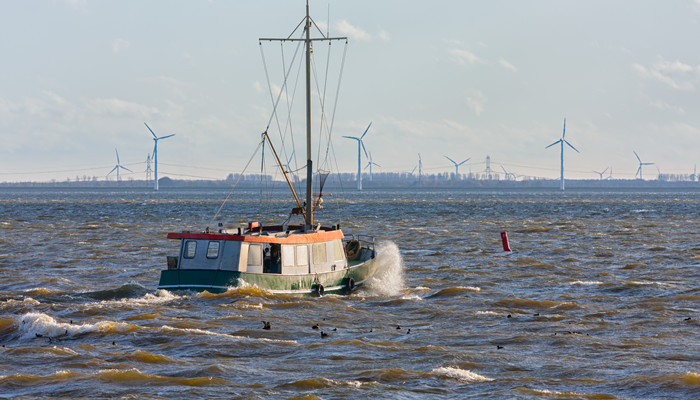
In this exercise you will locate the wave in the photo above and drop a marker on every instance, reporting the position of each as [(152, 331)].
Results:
[(125, 376), (322, 383), (460, 374), (455, 291), (226, 335), (35, 324)]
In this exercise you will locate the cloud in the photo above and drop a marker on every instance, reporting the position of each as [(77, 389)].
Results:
[(505, 64), (662, 105), (119, 44), (476, 103), (345, 28), (675, 74), (464, 56), (384, 36)]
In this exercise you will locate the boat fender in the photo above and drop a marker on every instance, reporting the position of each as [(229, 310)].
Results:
[(350, 285), (319, 290)]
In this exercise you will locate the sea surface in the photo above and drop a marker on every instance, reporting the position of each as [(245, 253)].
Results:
[(599, 299)]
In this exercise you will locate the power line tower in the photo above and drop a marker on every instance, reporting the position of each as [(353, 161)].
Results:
[(488, 168), (148, 168)]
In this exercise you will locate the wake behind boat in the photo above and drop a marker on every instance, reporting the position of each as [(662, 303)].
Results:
[(305, 258)]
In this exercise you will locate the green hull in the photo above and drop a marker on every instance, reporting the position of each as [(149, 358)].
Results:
[(218, 281)]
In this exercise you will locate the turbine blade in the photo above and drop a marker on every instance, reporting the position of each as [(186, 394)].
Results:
[(565, 141), (363, 148), (553, 144), (165, 137), (465, 161), (125, 168), (453, 161), (604, 170), (636, 155), (563, 132), (377, 164), (115, 167), (363, 135), (149, 128), (351, 137), (117, 153)]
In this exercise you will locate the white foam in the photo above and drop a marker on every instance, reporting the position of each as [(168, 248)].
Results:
[(389, 278), (210, 333), (586, 283), (160, 297), (460, 374), (33, 323)]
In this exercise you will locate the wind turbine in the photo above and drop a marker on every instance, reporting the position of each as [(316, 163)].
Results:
[(117, 167), (155, 155), (639, 170), (457, 165), (694, 175), (561, 142), (369, 165), (601, 173), (509, 175), (360, 146)]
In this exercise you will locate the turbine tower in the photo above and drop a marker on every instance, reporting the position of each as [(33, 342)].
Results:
[(369, 165), (561, 142), (457, 165), (155, 155), (117, 167), (360, 146), (639, 170)]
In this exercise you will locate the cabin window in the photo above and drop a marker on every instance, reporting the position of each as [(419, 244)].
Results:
[(254, 255), (213, 250), (338, 253), (302, 255), (319, 253), (190, 249)]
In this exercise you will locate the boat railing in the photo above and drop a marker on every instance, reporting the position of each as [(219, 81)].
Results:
[(366, 241)]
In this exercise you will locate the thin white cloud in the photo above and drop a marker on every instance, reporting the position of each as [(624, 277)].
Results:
[(675, 74), (662, 105), (505, 64), (119, 44), (476, 102), (464, 56), (384, 36), (345, 28)]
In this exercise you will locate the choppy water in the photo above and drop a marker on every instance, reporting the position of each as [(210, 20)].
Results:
[(599, 300)]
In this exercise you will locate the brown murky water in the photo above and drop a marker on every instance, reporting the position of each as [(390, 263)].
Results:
[(599, 300)]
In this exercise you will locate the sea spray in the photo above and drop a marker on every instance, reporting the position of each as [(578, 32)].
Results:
[(389, 278)]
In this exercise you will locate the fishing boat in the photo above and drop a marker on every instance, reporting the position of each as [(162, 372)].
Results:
[(305, 258)]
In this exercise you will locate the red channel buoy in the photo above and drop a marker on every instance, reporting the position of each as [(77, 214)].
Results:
[(504, 239)]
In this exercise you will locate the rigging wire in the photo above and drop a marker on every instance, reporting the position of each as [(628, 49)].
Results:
[(236, 183)]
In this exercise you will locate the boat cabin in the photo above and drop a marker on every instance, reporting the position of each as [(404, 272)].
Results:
[(269, 252)]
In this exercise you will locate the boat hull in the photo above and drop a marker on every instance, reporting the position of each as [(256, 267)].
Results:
[(217, 281)]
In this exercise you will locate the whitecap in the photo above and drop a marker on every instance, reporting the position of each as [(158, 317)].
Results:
[(460, 374), (32, 324)]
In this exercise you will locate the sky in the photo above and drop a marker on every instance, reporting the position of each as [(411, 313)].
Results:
[(464, 79)]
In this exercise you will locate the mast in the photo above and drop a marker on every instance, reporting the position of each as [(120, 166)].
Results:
[(308, 41), (309, 162)]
